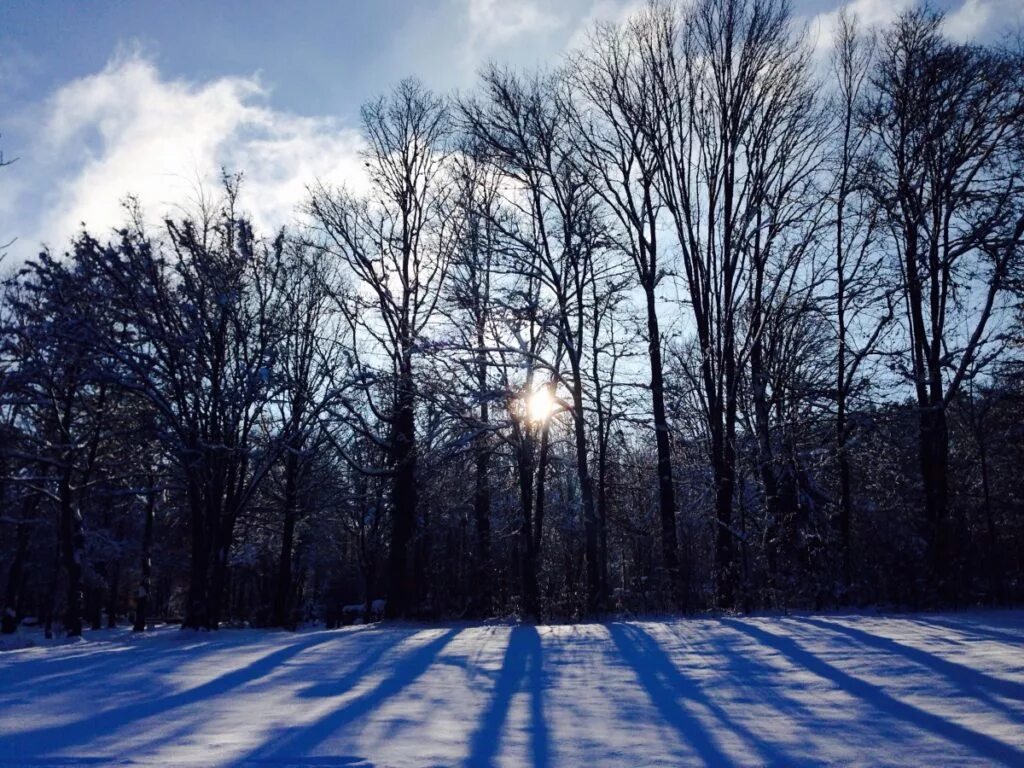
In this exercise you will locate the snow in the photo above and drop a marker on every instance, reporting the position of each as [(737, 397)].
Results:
[(924, 689)]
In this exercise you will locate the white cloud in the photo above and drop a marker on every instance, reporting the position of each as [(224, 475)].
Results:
[(869, 13), (980, 19), (497, 22), (127, 130), (603, 11), (493, 25), (972, 20), (969, 19)]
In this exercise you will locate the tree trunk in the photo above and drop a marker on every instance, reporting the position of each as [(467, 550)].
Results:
[(539, 507), (666, 487), (483, 597), (591, 524), (71, 548), (934, 456), (219, 573), (524, 456), (143, 597), (404, 500), (283, 592), (766, 464), (195, 611), (482, 516), (842, 383), (724, 470), (845, 495), (602, 509)]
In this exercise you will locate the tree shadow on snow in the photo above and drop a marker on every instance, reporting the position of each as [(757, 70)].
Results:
[(666, 685), (877, 698), (334, 686), (753, 680), (50, 739), (523, 665), (94, 661), (292, 744), (969, 682), (968, 627)]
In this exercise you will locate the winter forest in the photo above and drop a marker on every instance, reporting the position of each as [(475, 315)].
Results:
[(687, 319), (658, 400)]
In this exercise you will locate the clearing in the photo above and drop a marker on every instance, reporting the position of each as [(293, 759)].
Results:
[(915, 689)]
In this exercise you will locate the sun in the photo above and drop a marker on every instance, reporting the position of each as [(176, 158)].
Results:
[(540, 405)]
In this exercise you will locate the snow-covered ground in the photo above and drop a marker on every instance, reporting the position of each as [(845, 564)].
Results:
[(865, 690)]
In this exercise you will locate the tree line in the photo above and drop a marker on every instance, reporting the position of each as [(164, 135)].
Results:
[(693, 319)]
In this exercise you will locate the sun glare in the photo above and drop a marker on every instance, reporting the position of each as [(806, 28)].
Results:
[(540, 405)]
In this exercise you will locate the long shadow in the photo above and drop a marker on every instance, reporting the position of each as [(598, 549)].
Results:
[(969, 627), (523, 664), (334, 686), (91, 662), (297, 741), (51, 739), (970, 682), (753, 676), (665, 684), (876, 697)]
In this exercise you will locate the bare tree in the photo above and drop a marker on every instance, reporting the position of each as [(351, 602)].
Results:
[(522, 124), (472, 310), (396, 243), (311, 370), (948, 119), (194, 332), (615, 129), (62, 408), (863, 306), (738, 134)]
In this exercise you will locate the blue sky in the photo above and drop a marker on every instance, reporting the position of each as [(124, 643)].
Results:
[(98, 99)]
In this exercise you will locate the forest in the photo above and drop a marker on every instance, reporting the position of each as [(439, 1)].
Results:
[(698, 317)]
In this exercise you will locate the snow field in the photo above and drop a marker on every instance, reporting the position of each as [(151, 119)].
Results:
[(842, 689)]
